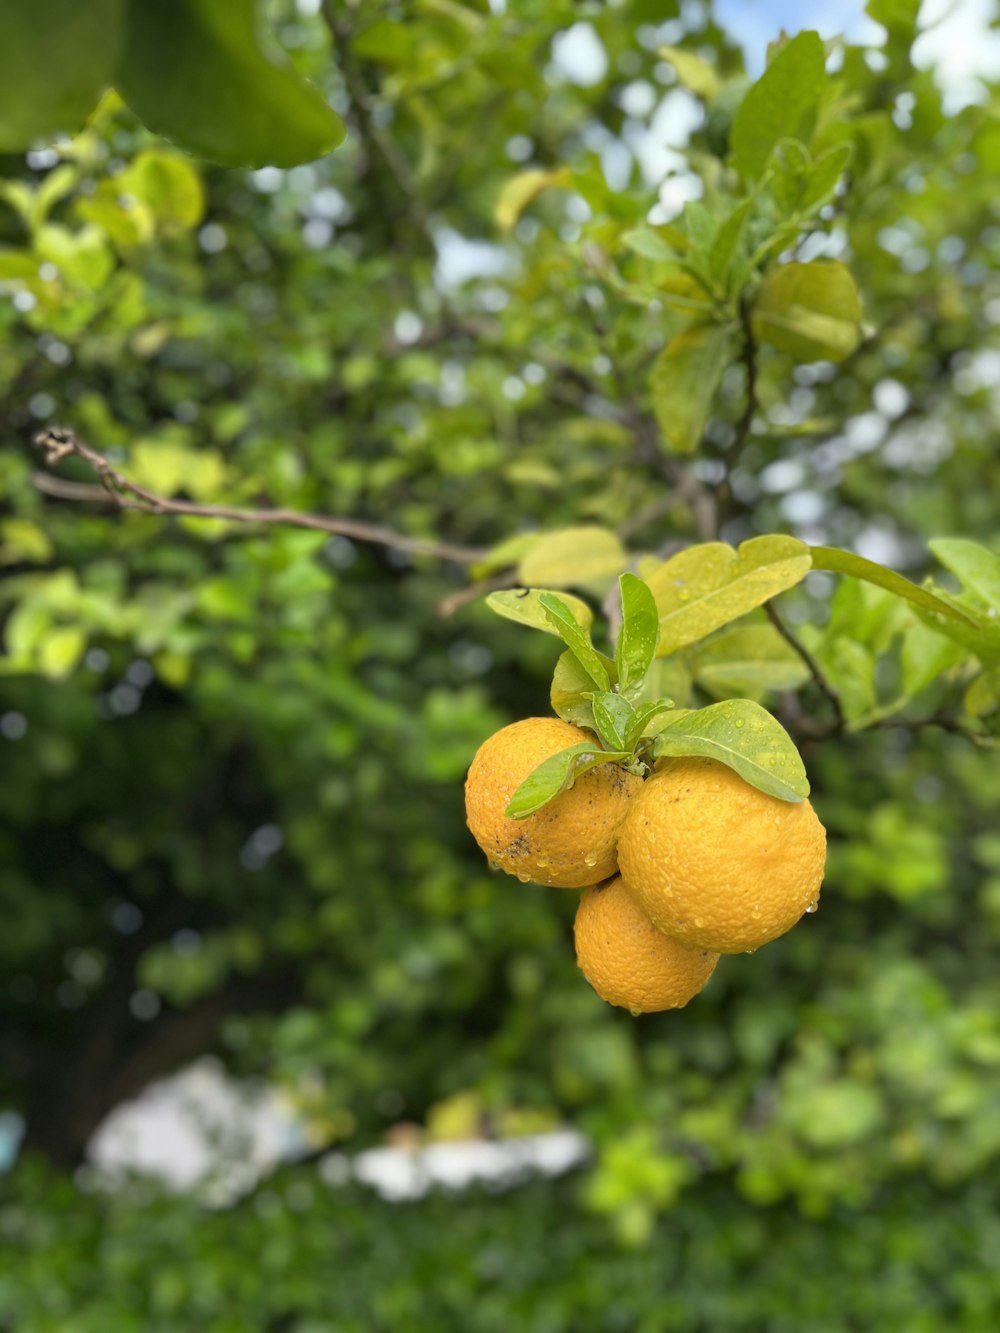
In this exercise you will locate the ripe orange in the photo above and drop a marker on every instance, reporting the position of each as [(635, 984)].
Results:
[(628, 961), (571, 841), (716, 863)]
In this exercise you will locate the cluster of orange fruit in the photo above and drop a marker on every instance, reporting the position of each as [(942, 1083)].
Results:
[(678, 868)]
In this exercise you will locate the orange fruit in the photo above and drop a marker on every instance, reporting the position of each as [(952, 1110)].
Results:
[(571, 841), (628, 961), (715, 862)]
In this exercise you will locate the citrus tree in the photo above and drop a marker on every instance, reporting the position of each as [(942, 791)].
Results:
[(293, 435)]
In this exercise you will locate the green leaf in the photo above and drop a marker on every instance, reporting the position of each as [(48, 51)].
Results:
[(556, 775), (811, 311), (788, 175), (650, 244), (168, 185), (702, 225), (60, 651), (615, 718), (571, 692), (645, 714), (639, 634), (728, 238), (846, 562), (693, 72), (848, 665), (56, 58), (523, 606), (82, 257), (976, 567), (22, 540), (576, 639), (212, 78), (745, 737), (573, 556), (799, 185), (54, 187), (983, 695), (776, 105), (705, 587), (668, 678), (895, 14), (825, 175), (925, 655), (547, 781), (749, 661), (685, 378)]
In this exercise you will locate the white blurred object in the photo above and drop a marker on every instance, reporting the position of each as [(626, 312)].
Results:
[(202, 1130), (409, 1173), (198, 1127)]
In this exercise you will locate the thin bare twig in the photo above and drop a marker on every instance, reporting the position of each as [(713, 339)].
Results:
[(815, 670), (58, 443), (472, 592)]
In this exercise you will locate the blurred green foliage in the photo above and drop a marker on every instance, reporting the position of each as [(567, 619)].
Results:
[(333, 1260), (230, 784)]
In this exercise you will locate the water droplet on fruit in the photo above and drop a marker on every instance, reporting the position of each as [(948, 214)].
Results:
[(756, 911), (636, 1013), (525, 879), (813, 907), (699, 922), (590, 860), (749, 950)]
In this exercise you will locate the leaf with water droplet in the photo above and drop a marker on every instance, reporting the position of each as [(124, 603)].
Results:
[(556, 775), (639, 634), (615, 718), (707, 586), (576, 639), (522, 605), (751, 751)]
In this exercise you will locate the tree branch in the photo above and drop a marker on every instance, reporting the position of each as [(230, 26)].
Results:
[(373, 137), (58, 443), (815, 670), (748, 357)]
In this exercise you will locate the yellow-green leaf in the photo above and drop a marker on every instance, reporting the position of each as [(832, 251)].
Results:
[(685, 378), (573, 556), (693, 72), (168, 185), (60, 650), (707, 586), (522, 190), (811, 311), (522, 606), (749, 661)]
